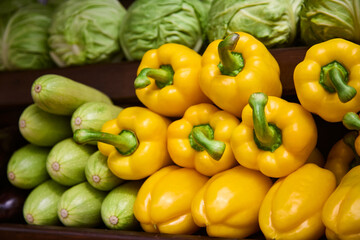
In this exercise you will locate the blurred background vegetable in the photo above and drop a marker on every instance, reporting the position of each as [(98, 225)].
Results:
[(84, 32), (24, 37), (321, 20), (150, 24), (273, 22)]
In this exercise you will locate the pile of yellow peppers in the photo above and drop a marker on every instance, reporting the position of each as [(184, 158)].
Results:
[(220, 149)]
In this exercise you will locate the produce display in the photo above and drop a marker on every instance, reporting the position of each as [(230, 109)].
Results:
[(212, 148)]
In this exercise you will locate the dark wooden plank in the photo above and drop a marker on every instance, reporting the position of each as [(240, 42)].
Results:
[(116, 79), (23, 231)]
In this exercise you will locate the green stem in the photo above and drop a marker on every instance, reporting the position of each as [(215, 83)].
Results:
[(349, 139), (266, 135), (202, 138), (125, 142), (351, 121), (334, 78), (163, 76), (231, 63)]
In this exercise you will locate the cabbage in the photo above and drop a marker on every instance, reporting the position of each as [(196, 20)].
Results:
[(321, 20), (149, 24), (24, 38), (273, 22), (86, 31)]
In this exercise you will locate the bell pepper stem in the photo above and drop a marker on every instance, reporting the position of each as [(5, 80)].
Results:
[(334, 79), (213, 147), (345, 92), (351, 121), (267, 136), (163, 76), (349, 139), (125, 142), (231, 63)]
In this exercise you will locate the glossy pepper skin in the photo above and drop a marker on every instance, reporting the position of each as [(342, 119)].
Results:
[(228, 204), (168, 79), (163, 203), (342, 156), (327, 81), (201, 139), (341, 212), (234, 68), (275, 137), (292, 207), (133, 149)]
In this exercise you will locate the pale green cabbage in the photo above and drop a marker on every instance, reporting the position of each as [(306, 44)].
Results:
[(321, 20), (23, 37), (273, 22), (150, 24), (86, 31)]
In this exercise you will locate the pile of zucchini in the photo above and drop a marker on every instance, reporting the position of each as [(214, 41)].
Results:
[(69, 183)]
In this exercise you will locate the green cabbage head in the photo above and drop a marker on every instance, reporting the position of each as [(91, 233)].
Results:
[(85, 32), (273, 22), (321, 20), (24, 35), (148, 24)]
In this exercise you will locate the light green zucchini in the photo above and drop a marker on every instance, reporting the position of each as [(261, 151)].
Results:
[(80, 206), (92, 115), (60, 95), (42, 128), (40, 207), (67, 160), (26, 168), (98, 173), (117, 209)]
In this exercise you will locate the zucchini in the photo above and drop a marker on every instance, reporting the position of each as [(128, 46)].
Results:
[(40, 207), (60, 95), (117, 209), (42, 128), (67, 160), (92, 115), (98, 173), (80, 206), (27, 166)]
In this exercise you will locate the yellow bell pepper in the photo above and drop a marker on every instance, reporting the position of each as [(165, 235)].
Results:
[(228, 204), (341, 212), (292, 207), (163, 203), (342, 156), (201, 139), (168, 79), (328, 79), (275, 137), (234, 68), (134, 142)]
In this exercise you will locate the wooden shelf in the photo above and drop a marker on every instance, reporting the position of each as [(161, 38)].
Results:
[(116, 79), (24, 231)]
